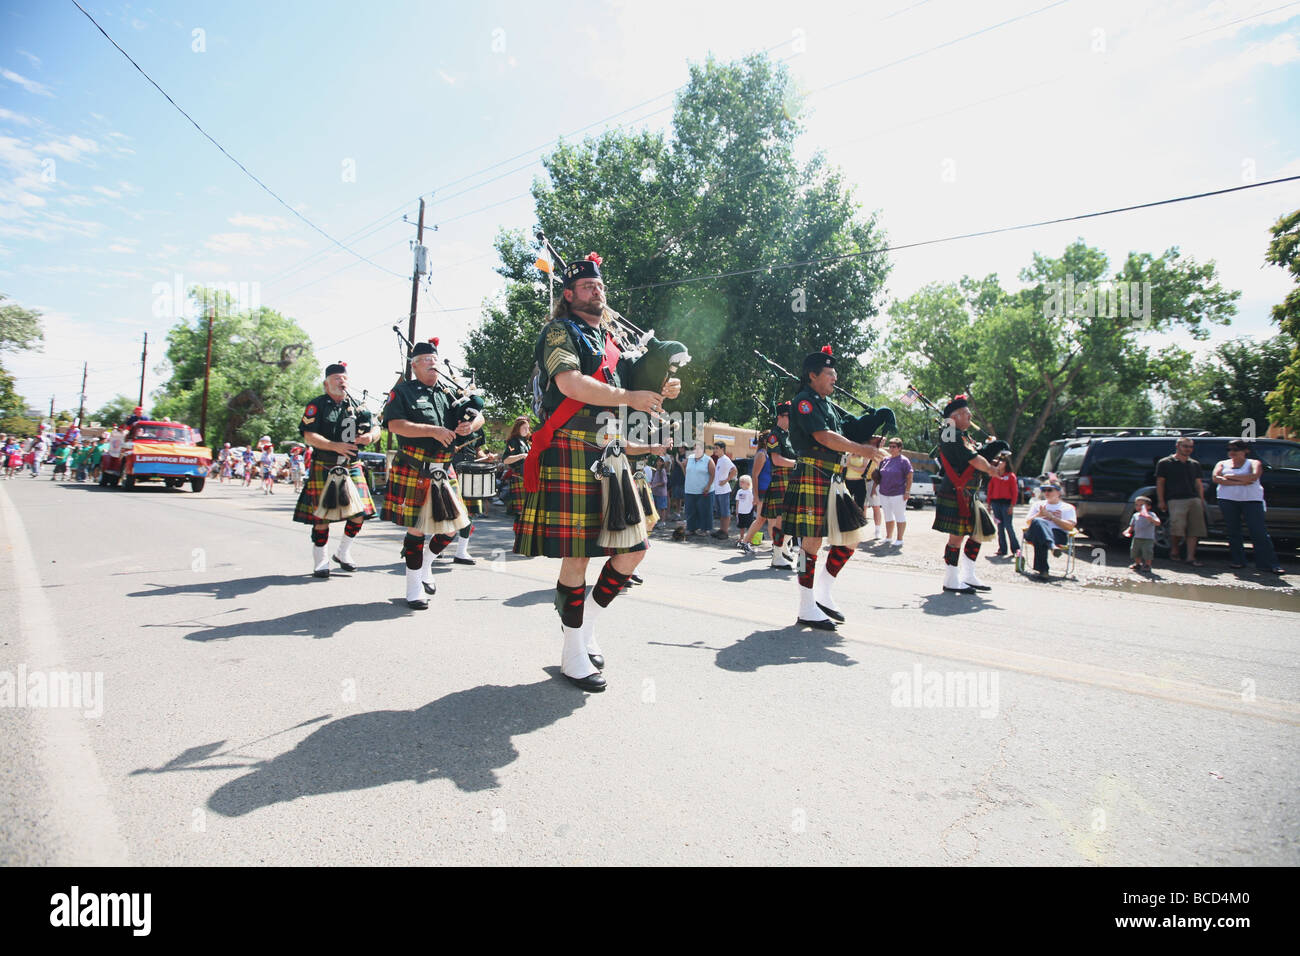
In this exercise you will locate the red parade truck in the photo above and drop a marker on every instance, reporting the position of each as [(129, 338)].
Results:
[(156, 451)]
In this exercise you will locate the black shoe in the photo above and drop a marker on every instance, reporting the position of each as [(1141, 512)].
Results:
[(322, 573), (979, 587), (820, 625), (463, 560), (597, 661), (344, 565), (966, 589), (418, 605), (831, 613), (594, 683), (429, 587), (635, 579)]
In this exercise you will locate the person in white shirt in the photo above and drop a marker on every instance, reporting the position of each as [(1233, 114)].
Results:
[(724, 472), (1048, 526), (745, 512)]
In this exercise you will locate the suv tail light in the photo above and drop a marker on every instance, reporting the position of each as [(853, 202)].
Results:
[(1085, 486)]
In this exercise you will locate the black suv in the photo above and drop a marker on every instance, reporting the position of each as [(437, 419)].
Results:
[(1103, 470)]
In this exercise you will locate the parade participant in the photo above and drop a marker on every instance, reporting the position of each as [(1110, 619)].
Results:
[(956, 509), (137, 415), (336, 427), (817, 486), (781, 456), (422, 493), (472, 453), (248, 457), (224, 463), (517, 446), (569, 511), (296, 467), (267, 464)]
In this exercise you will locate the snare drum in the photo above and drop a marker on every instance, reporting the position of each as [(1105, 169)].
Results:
[(477, 480)]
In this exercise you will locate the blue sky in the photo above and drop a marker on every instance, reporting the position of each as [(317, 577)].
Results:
[(106, 191)]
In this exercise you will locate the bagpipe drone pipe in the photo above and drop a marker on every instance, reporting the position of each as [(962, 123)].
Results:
[(856, 428)]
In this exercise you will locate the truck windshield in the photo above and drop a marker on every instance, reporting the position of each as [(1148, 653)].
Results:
[(169, 433)]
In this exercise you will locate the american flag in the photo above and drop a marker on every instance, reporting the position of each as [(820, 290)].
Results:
[(910, 396)]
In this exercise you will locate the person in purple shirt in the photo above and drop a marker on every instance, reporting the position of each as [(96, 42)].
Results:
[(894, 484)]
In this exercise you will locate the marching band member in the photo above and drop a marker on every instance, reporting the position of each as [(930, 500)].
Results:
[(569, 512), (422, 496), (817, 486), (781, 454), (334, 426), (955, 510)]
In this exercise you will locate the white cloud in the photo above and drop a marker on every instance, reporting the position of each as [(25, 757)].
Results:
[(244, 243), (32, 58), (31, 86), (447, 78), (105, 191), (12, 117), (265, 223)]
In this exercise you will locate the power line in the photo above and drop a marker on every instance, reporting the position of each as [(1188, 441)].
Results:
[(210, 139), (1253, 16)]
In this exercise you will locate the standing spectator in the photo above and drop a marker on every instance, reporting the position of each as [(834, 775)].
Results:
[(1142, 529), (13, 456), (296, 468), (745, 513), (894, 484), (760, 469), (268, 468), (677, 484), (39, 448), (1242, 496), (1004, 493), (659, 485), (698, 490), (1048, 526), (61, 456), (97, 457), (1181, 493), (80, 460), (724, 472)]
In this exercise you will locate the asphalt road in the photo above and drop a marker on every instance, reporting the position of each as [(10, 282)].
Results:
[(254, 715)]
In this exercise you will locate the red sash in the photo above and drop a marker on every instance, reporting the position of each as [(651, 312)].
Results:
[(558, 419), (959, 482)]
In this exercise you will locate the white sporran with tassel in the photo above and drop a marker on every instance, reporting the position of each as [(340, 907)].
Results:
[(622, 520), (339, 498), (844, 519), (443, 512)]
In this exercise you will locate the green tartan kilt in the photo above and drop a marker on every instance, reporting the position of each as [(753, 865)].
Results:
[(774, 497), (804, 509), (562, 518), (309, 497), (946, 516), (401, 500)]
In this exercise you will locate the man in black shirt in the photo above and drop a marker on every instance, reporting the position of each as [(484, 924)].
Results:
[(1181, 492), (336, 428), (954, 510)]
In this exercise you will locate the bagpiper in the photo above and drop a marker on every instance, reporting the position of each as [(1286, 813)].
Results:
[(335, 490)]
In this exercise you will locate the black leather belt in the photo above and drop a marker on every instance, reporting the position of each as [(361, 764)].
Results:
[(425, 468)]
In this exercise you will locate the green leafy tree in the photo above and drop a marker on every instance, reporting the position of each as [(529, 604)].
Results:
[(13, 417), (117, 410), (1284, 251), (1230, 387), (723, 193), (1033, 362), (20, 328), (263, 372)]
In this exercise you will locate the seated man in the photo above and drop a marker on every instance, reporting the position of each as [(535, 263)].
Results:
[(1049, 525)]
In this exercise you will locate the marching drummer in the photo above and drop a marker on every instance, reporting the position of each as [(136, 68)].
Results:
[(334, 426), (420, 483)]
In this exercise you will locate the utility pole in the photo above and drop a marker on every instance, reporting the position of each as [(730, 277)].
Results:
[(85, 367), (415, 285), (51, 409), (207, 372), (143, 355)]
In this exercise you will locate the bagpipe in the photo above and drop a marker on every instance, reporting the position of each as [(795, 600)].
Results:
[(645, 362), (859, 428), (466, 400), (991, 447)]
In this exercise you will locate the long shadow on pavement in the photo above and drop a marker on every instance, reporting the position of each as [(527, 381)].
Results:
[(226, 590), (787, 645), (463, 737), (951, 605), (317, 622)]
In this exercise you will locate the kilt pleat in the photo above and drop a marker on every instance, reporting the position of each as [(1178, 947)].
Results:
[(562, 518), (512, 492), (947, 516), (309, 497), (804, 506), (401, 497)]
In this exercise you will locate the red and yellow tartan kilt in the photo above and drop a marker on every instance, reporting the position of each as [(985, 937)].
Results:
[(401, 500), (804, 514), (512, 491), (309, 497), (774, 497), (562, 518), (947, 516)]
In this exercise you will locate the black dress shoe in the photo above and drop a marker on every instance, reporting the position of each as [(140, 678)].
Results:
[(831, 613), (429, 587), (463, 560), (820, 625), (979, 587), (322, 573), (965, 589), (595, 683), (344, 565), (597, 661), (418, 605), (635, 579)]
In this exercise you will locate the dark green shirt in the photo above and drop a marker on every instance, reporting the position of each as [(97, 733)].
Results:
[(421, 405), (568, 344), (335, 421), (811, 413), (778, 443)]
